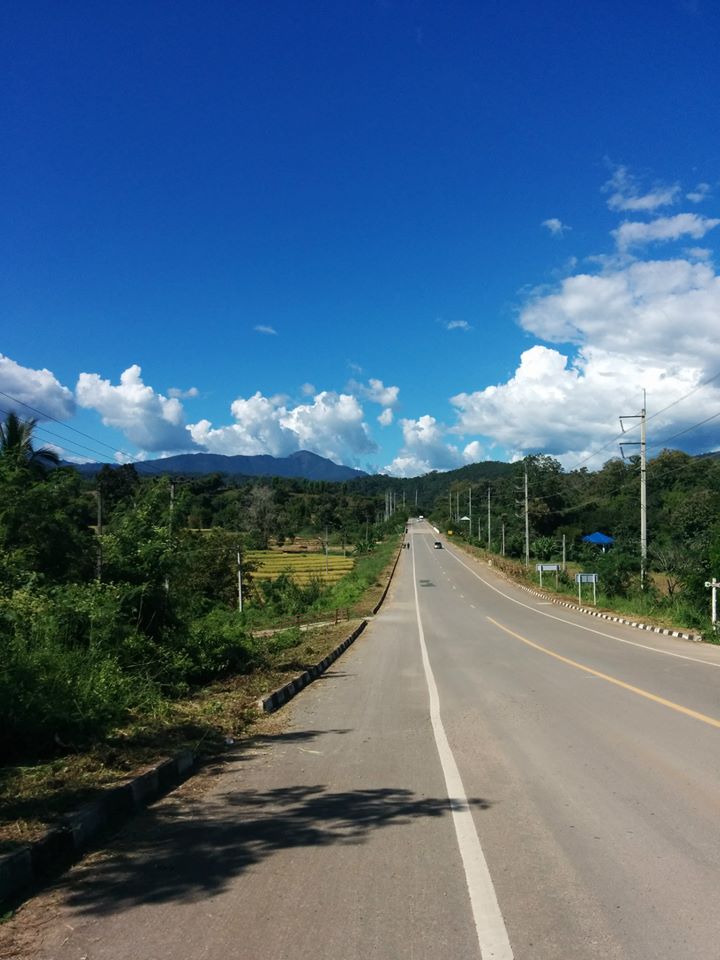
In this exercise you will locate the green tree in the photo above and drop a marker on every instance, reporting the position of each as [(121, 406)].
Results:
[(16, 443)]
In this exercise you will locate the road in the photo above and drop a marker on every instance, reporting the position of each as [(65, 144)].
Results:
[(481, 775)]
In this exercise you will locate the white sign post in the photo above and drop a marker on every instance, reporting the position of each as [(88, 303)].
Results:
[(713, 585), (548, 567), (592, 578)]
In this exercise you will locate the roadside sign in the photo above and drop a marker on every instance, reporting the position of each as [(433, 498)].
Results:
[(581, 578), (547, 568)]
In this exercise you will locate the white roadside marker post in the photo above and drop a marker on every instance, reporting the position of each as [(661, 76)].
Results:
[(713, 585)]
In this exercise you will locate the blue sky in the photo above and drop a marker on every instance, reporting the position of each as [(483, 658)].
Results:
[(405, 235)]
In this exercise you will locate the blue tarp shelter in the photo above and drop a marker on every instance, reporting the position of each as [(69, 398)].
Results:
[(600, 539)]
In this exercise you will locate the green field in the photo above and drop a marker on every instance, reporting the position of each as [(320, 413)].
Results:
[(302, 567)]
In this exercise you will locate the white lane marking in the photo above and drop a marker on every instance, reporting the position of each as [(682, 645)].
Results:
[(580, 626), (489, 924)]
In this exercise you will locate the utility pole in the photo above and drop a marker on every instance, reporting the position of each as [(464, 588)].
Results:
[(503, 539), (239, 572), (564, 565), (527, 522), (450, 505), (642, 443), (416, 492), (99, 567), (643, 494), (457, 506), (470, 510), (489, 538)]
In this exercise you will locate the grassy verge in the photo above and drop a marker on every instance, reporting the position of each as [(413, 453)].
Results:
[(645, 608), (34, 795)]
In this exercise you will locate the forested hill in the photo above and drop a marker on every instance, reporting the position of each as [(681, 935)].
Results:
[(302, 465), (435, 484)]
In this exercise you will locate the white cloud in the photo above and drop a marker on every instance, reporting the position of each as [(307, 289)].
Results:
[(700, 193), (635, 233), (376, 392), (424, 449), (332, 426), (458, 325), (307, 389), (148, 419), (177, 394), (654, 307), (699, 253), (264, 328), (645, 325), (555, 226), (474, 452), (625, 193), (633, 324), (386, 417), (38, 388)]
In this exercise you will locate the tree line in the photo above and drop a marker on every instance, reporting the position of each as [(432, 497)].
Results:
[(117, 591)]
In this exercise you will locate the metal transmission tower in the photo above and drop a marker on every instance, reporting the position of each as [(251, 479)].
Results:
[(642, 443)]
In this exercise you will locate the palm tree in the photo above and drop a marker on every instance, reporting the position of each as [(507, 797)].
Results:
[(16, 443)]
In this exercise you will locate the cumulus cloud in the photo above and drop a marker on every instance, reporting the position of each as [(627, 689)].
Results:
[(474, 452), (555, 226), (38, 388), (148, 419), (625, 193), (645, 325), (458, 325), (332, 426), (177, 394), (376, 392), (635, 233), (644, 307), (307, 389), (264, 328), (425, 448), (386, 417)]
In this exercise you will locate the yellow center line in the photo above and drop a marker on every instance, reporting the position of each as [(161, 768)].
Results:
[(703, 718)]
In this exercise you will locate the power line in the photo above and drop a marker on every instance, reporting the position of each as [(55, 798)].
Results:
[(67, 426), (700, 423), (67, 446)]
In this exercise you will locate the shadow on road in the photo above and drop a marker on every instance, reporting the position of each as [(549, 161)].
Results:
[(184, 850)]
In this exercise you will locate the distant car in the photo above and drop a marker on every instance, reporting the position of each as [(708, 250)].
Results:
[(437, 545), (421, 517)]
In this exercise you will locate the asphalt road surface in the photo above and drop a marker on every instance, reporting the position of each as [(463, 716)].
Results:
[(481, 775)]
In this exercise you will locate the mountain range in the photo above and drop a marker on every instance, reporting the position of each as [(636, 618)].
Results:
[(303, 465)]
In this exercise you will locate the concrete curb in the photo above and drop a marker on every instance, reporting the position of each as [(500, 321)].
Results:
[(665, 631), (387, 585), (280, 696), (62, 845), (590, 611), (273, 701)]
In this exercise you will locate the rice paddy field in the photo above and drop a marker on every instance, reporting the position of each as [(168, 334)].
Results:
[(302, 567)]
